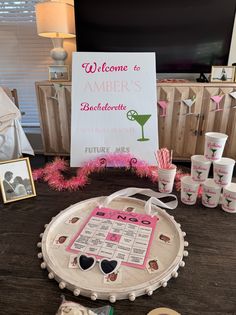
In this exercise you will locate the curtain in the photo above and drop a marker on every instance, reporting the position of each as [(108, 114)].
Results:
[(24, 56)]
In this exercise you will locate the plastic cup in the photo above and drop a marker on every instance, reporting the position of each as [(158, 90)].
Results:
[(189, 190), (223, 171), (228, 202), (210, 193), (214, 145), (200, 168), (166, 177)]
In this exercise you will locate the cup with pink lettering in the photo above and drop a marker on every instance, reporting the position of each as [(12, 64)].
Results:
[(228, 202), (200, 167), (214, 145), (189, 190), (223, 171), (166, 177), (210, 193)]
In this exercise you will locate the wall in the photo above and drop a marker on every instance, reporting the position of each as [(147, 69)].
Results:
[(69, 44), (232, 55)]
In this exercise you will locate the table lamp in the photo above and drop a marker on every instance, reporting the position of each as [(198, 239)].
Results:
[(55, 20)]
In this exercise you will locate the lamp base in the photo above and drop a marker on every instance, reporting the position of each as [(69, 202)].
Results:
[(58, 53)]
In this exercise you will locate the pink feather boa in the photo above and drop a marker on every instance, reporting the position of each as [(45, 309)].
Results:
[(52, 172)]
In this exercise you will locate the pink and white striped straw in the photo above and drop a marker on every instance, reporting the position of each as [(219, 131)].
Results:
[(164, 158)]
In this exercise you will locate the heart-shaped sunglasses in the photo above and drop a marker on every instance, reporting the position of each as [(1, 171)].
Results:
[(106, 266)]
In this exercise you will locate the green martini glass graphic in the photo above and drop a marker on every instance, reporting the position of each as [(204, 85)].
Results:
[(189, 196), (141, 120), (220, 177), (213, 152), (58, 88), (228, 201), (208, 198), (199, 174), (164, 186)]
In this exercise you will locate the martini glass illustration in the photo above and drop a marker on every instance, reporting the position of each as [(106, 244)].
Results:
[(217, 99), (141, 120), (57, 88), (163, 105), (189, 102), (189, 196), (228, 201), (213, 152), (164, 186), (220, 177), (208, 198), (198, 174)]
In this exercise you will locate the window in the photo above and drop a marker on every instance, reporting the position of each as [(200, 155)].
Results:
[(24, 56)]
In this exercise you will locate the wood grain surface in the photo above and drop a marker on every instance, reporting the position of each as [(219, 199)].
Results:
[(206, 286)]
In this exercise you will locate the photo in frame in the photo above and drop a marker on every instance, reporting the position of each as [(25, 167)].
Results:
[(16, 180), (59, 73), (222, 74)]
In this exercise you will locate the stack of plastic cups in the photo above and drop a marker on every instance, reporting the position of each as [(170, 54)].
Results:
[(200, 167), (222, 175), (214, 147), (211, 188)]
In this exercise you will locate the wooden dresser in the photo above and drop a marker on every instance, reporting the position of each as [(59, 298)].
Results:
[(54, 104), (178, 131), (185, 133)]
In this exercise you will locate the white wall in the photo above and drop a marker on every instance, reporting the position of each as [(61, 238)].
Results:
[(232, 54), (68, 44)]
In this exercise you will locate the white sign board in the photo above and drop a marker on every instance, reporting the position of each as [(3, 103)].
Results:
[(113, 106)]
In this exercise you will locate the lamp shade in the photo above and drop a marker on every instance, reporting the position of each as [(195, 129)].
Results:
[(55, 19)]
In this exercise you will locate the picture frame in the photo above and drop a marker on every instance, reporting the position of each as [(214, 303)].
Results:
[(16, 180), (58, 73), (223, 74)]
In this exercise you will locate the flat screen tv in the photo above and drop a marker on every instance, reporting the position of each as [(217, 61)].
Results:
[(187, 36)]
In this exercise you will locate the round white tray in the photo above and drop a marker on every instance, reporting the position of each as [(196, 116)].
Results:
[(135, 282)]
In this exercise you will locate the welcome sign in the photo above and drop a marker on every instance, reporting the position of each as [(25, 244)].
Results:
[(113, 106)]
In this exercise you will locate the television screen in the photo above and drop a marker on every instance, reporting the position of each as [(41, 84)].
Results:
[(187, 36)]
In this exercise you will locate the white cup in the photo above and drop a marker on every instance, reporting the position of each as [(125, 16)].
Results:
[(223, 171), (189, 190), (214, 145), (200, 167), (210, 193), (228, 202), (166, 178)]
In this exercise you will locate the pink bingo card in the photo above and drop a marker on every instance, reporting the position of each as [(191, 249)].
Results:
[(115, 234)]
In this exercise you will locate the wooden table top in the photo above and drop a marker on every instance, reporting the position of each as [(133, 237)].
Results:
[(207, 284)]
